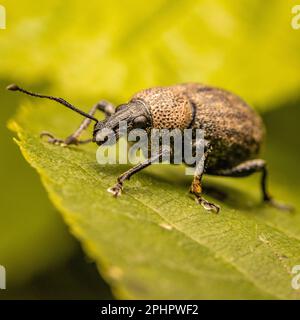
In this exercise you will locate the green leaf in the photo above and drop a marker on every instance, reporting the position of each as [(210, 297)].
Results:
[(26, 214), (100, 50), (155, 241)]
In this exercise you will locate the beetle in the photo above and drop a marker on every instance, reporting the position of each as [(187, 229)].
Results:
[(233, 131)]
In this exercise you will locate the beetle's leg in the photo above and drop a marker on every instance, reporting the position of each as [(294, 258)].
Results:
[(103, 106), (247, 168), (196, 189), (116, 190)]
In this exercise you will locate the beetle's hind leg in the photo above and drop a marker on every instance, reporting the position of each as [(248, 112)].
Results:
[(103, 106), (247, 168)]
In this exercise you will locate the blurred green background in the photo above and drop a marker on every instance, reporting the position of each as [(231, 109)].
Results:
[(86, 51)]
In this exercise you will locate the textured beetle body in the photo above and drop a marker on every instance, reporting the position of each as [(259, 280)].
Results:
[(233, 130)]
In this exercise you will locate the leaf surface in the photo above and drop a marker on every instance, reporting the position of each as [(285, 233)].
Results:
[(155, 241)]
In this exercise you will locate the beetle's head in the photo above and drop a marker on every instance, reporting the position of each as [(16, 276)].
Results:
[(134, 114)]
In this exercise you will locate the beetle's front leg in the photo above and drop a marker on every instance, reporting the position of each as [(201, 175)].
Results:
[(116, 190), (103, 106)]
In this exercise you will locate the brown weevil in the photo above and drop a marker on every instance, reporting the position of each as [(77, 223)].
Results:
[(234, 132)]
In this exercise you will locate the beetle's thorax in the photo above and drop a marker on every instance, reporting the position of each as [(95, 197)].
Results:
[(169, 108)]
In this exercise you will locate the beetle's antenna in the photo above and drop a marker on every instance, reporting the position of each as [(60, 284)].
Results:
[(14, 87)]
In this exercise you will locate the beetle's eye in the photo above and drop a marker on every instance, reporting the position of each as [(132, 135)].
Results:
[(121, 107), (140, 122)]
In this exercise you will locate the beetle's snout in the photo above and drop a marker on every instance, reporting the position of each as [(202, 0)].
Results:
[(106, 131), (127, 117), (111, 128), (101, 136)]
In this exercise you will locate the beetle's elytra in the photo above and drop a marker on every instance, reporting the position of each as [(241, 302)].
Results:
[(234, 132)]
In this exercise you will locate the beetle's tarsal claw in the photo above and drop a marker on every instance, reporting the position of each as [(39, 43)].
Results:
[(51, 139), (60, 142), (46, 134), (208, 205), (116, 190), (279, 205)]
